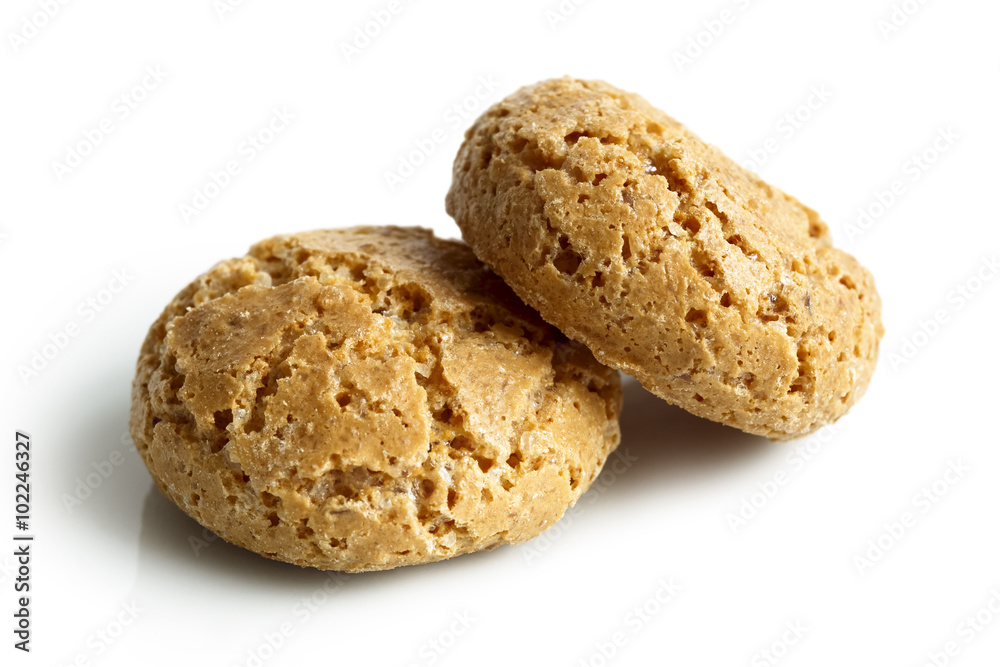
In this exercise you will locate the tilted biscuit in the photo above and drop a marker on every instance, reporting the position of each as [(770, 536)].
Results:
[(365, 398), (720, 293)]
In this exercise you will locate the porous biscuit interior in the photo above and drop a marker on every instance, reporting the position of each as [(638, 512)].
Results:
[(366, 398), (719, 292)]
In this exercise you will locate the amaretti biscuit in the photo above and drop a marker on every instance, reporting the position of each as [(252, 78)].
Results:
[(365, 398), (719, 292)]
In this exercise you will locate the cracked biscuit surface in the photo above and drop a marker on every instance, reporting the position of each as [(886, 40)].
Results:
[(365, 398), (720, 293)]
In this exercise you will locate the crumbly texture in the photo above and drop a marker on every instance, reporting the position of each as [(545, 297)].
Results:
[(720, 293), (365, 398)]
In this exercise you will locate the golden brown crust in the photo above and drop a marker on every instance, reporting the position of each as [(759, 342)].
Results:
[(720, 293), (365, 398)]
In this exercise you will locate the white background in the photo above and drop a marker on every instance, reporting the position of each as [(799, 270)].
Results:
[(669, 516)]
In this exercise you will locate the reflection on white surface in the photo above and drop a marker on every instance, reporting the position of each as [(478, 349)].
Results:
[(184, 572)]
